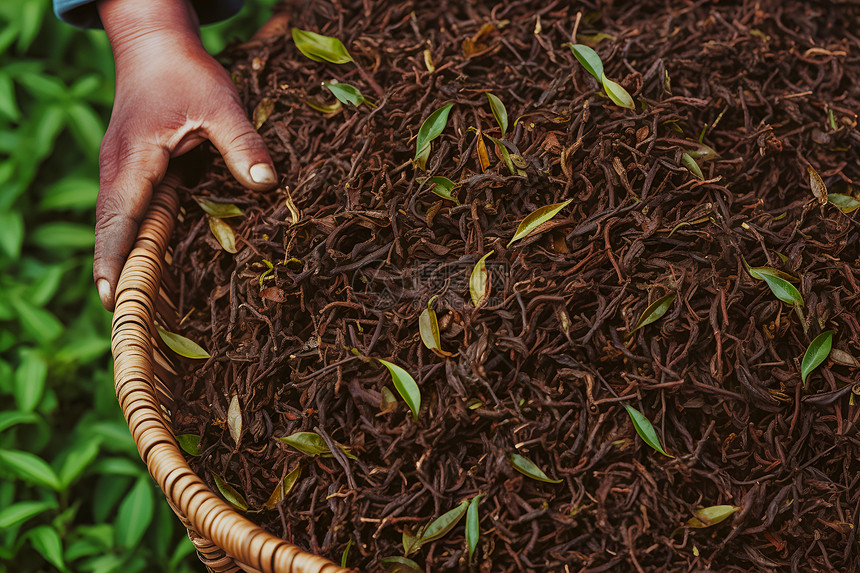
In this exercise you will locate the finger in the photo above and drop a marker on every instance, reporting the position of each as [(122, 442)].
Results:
[(128, 175), (242, 148)]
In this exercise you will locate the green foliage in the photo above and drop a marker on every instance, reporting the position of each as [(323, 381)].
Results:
[(74, 495)]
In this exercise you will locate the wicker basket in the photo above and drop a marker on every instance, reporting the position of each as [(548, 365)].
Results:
[(225, 541)]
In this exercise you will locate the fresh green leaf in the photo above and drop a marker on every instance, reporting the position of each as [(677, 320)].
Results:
[(320, 48), (345, 554), (473, 525), (502, 150), (655, 311), (230, 493), (617, 93), (398, 564), (181, 345), (703, 152), (691, 164), (526, 467), (30, 468), (30, 380), (22, 511), (324, 108), (478, 280), (645, 429), (223, 233), (46, 541), (537, 218), (190, 443), (819, 189), (11, 418), (846, 203), (234, 419), (499, 112), (406, 386), (428, 327), (284, 487), (816, 354), (758, 272), (432, 128), (346, 94), (62, 236), (8, 104), (443, 187), (11, 233), (135, 513), (38, 322), (312, 444), (218, 210), (707, 516), (77, 459), (439, 527), (589, 60), (783, 290)]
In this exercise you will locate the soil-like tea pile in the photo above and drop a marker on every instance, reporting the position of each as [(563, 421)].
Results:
[(335, 274)]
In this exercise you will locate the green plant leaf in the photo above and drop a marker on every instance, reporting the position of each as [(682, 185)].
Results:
[(759, 272), (135, 513), (234, 419), (230, 493), (432, 128), (22, 511), (589, 60), (345, 555), (406, 386), (46, 541), (691, 164), (223, 233), (320, 48), (526, 467), (11, 233), (62, 236), (707, 516), (499, 112), (617, 93), (645, 429), (38, 322), (181, 345), (534, 220), (78, 459), (819, 189), (478, 280), (11, 418), (190, 443), (443, 187), (783, 290), (816, 354), (218, 210), (473, 525), (312, 444), (439, 527), (428, 327), (284, 487), (502, 150), (846, 203), (324, 108), (345, 93), (398, 564), (30, 380), (31, 468), (655, 311)]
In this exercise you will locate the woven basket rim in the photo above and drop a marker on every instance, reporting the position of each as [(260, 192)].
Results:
[(210, 517)]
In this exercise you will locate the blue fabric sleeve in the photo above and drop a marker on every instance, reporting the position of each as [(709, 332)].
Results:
[(83, 14)]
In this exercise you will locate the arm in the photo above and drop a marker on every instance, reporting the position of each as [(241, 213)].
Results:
[(170, 96)]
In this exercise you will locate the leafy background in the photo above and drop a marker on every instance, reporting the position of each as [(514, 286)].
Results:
[(74, 495)]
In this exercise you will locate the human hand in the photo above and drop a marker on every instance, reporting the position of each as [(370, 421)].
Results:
[(170, 96)]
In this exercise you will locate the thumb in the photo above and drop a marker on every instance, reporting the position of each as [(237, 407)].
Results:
[(128, 175), (242, 148)]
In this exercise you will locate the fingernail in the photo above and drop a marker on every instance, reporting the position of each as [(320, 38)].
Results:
[(103, 287), (262, 173)]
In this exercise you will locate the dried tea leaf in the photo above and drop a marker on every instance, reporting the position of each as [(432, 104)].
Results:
[(442, 186), (398, 564), (387, 400), (499, 112), (473, 525), (655, 311), (440, 526), (324, 108), (819, 189), (282, 490), (312, 444), (483, 156), (223, 233), (219, 210), (526, 467), (190, 444), (262, 112), (478, 280), (274, 294), (537, 218), (816, 354), (690, 163), (428, 61), (593, 40), (232, 496), (703, 152), (707, 516), (234, 419), (320, 48), (844, 358), (645, 429), (346, 93), (432, 128), (589, 60), (181, 345), (783, 290), (846, 203), (406, 386), (295, 214), (759, 272), (617, 93), (428, 327)]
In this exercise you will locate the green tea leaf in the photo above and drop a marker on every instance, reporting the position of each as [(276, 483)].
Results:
[(11, 418), (284, 487), (46, 541), (529, 469), (655, 311), (270, 268), (22, 511), (691, 164), (346, 93), (181, 345), (759, 272), (432, 128), (537, 218), (190, 443), (589, 60), (816, 354), (410, 542), (77, 459), (312, 444), (478, 280), (707, 516), (406, 386), (262, 112), (502, 150), (499, 112), (442, 186), (437, 528), (345, 553), (703, 152), (234, 419), (846, 203), (398, 564), (320, 48), (323, 108), (783, 290), (135, 513), (617, 93), (593, 40), (819, 189), (428, 327), (223, 233), (30, 380), (473, 525), (645, 429), (218, 210), (30, 468), (232, 496)]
